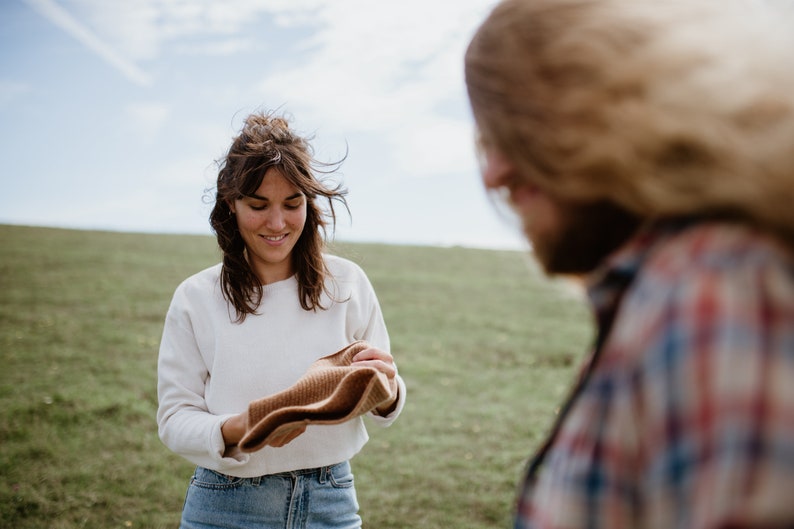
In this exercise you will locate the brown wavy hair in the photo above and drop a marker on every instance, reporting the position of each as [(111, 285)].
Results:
[(663, 108), (266, 140)]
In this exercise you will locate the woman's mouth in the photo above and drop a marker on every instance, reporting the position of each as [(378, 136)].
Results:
[(275, 239)]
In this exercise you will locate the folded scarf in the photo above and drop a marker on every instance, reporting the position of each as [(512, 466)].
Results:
[(330, 392)]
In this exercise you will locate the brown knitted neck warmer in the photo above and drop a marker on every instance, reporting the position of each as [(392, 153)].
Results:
[(330, 392)]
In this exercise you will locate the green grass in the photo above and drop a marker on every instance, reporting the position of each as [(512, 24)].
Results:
[(487, 348)]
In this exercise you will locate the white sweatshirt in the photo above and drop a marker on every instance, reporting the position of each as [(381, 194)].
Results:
[(210, 367)]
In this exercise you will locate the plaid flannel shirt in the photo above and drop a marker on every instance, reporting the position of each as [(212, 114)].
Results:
[(685, 418)]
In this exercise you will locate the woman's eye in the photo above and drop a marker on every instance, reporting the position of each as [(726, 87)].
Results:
[(257, 208)]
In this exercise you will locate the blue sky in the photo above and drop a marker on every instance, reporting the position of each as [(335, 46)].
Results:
[(112, 114)]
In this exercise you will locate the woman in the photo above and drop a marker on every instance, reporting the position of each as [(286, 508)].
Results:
[(251, 326)]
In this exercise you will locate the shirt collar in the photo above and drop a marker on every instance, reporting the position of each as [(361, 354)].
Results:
[(606, 284)]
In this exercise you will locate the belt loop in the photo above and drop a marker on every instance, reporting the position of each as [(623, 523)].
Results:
[(255, 481), (323, 474)]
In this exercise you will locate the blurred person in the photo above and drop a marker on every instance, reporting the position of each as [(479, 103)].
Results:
[(648, 148), (251, 325)]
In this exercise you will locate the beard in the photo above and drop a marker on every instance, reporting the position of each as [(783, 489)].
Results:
[(586, 235)]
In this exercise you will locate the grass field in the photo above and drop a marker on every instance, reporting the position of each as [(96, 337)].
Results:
[(487, 348)]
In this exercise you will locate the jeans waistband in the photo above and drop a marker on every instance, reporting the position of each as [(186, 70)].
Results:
[(304, 471), (321, 473)]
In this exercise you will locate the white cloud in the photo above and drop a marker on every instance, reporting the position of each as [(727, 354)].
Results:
[(384, 79), (64, 20), (221, 47), (11, 90), (147, 117), (434, 147), (143, 28), (393, 69)]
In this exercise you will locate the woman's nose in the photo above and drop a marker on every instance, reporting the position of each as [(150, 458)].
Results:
[(496, 169), (275, 221)]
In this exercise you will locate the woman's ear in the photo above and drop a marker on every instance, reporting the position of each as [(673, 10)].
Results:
[(230, 203)]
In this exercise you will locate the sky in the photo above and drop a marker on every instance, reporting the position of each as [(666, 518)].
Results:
[(113, 115)]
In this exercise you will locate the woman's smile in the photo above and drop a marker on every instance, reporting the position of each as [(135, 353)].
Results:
[(271, 221), (275, 239)]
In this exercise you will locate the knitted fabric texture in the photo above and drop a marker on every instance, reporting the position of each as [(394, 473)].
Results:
[(330, 392)]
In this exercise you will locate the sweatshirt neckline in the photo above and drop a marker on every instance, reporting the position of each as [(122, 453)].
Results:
[(284, 284)]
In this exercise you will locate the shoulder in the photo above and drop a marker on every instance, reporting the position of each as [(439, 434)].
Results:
[(347, 279), (342, 269), (716, 250), (201, 283), (716, 276)]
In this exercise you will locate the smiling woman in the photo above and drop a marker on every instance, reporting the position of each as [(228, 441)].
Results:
[(251, 326), (271, 222), (266, 172)]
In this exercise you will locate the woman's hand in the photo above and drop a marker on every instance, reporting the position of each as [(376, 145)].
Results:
[(383, 362), (233, 429)]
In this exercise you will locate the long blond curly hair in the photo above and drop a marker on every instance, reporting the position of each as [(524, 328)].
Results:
[(683, 107)]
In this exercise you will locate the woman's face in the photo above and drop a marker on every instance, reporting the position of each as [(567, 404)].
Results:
[(271, 222)]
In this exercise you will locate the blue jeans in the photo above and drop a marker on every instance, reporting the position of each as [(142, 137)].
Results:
[(316, 498)]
